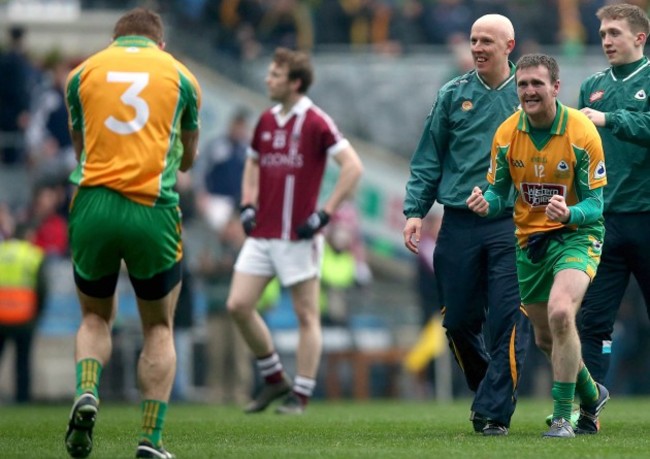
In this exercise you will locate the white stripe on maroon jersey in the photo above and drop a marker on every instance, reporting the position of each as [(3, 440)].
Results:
[(329, 121), (287, 206), (296, 132)]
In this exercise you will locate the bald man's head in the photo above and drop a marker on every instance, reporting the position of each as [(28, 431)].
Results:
[(498, 23), (492, 39)]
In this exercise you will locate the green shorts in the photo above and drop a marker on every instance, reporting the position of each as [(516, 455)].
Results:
[(578, 250), (106, 227)]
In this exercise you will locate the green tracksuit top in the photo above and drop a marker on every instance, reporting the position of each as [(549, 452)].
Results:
[(453, 154), (623, 93)]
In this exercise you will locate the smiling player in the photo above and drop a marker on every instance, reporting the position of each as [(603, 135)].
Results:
[(552, 155)]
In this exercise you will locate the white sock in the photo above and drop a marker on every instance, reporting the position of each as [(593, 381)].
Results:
[(304, 386)]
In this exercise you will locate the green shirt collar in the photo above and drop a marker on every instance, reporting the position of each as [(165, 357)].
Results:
[(625, 70), (505, 82), (559, 123), (138, 41)]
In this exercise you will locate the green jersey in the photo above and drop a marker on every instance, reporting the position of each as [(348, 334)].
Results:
[(453, 154), (620, 92)]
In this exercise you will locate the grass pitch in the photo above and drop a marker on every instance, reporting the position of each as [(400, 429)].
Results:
[(376, 429)]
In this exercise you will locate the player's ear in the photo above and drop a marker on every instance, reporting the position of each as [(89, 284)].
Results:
[(161, 44), (641, 38)]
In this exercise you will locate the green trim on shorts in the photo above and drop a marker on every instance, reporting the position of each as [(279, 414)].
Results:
[(579, 250), (105, 227)]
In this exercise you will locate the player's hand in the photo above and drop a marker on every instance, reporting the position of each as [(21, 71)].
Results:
[(247, 216), (557, 210), (477, 203), (313, 223), (412, 231), (596, 117)]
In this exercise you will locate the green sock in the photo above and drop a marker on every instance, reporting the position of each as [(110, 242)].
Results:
[(153, 418), (586, 387), (562, 399), (88, 373)]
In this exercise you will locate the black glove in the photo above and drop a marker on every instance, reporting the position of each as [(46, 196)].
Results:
[(314, 222), (247, 216)]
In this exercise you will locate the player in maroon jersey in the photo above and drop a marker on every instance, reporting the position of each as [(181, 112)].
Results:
[(291, 145)]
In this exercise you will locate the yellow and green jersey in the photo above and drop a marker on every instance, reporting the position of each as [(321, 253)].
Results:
[(566, 159), (130, 102)]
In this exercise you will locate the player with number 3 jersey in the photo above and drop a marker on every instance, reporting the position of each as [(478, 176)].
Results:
[(131, 101), (133, 116)]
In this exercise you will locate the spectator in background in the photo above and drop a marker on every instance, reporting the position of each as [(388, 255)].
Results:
[(461, 49), (219, 171), (347, 218), (238, 21), (183, 338), (344, 264), (184, 315), (7, 222), (190, 12), (364, 23), (50, 227), (445, 19), (408, 26), (15, 88), (337, 277), (571, 32), (230, 362), (48, 137), (333, 22), (288, 24), (478, 290), (23, 289)]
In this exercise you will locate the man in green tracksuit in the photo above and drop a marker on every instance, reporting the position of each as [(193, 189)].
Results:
[(617, 102), (474, 260)]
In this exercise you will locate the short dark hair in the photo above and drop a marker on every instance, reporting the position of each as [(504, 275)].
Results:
[(540, 60), (299, 64), (140, 21), (241, 115), (635, 16), (23, 230), (16, 32)]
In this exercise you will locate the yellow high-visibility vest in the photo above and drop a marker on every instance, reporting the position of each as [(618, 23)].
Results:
[(19, 264), (338, 269)]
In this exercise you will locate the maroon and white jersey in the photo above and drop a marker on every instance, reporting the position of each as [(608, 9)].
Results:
[(292, 151)]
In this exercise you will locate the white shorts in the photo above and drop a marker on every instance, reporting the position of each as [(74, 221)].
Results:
[(290, 261)]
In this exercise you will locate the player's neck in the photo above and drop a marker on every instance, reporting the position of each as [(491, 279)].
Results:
[(495, 78), (289, 102), (543, 120), (626, 68)]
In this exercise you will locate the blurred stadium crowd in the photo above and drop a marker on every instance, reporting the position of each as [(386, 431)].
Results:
[(246, 28), (36, 155)]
